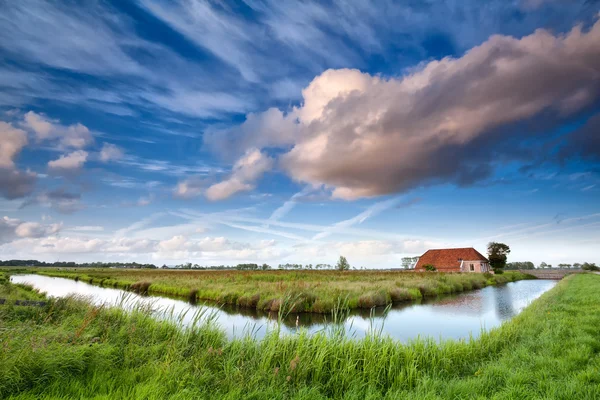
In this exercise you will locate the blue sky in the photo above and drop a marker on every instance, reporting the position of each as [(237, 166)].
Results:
[(220, 132)]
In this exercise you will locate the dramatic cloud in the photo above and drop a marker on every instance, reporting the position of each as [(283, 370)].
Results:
[(110, 152), (69, 162), (75, 136), (365, 135), (246, 171)]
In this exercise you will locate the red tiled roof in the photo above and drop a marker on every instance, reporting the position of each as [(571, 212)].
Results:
[(449, 259)]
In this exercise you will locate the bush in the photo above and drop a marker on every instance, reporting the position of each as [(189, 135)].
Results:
[(430, 267), (590, 267), (373, 299), (140, 287)]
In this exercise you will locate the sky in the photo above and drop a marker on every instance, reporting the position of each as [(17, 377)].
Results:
[(263, 131)]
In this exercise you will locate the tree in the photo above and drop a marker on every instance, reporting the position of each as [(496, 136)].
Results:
[(342, 264), (590, 267), (543, 265), (497, 254), (577, 265)]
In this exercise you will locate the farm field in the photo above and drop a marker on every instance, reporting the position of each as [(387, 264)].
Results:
[(70, 349), (300, 291)]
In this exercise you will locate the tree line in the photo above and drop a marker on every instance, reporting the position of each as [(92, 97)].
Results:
[(71, 264), (341, 265), (543, 265)]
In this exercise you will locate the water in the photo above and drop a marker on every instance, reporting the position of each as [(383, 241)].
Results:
[(450, 317)]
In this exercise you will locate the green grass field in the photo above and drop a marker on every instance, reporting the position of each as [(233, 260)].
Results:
[(305, 291), (71, 349)]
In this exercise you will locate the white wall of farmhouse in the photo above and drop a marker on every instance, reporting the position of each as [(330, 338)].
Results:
[(475, 266)]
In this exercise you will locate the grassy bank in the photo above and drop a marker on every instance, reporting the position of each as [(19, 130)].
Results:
[(310, 291), (11, 292), (73, 350)]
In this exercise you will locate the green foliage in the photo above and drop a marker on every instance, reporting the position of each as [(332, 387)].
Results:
[(497, 255), (430, 267), (342, 264), (71, 349), (590, 267), (520, 265)]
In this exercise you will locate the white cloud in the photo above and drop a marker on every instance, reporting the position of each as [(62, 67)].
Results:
[(110, 152), (75, 136), (69, 162), (190, 188), (11, 228), (36, 230), (246, 171)]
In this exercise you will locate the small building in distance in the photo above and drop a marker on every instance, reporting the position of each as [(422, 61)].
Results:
[(454, 260)]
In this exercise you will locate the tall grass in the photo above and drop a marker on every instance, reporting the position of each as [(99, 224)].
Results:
[(315, 291), (74, 350)]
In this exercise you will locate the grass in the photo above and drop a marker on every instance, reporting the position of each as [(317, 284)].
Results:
[(19, 291), (71, 349), (313, 291)]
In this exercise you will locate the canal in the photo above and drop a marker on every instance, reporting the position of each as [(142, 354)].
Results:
[(448, 317)]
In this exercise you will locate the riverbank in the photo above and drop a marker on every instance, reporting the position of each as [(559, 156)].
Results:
[(70, 349), (297, 291)]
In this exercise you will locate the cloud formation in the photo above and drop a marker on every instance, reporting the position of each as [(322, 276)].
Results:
[(13, 182), (76, 136), (12, 228), (59, 199), (69, 162), (110, 152), (246, 171), (365, 135)]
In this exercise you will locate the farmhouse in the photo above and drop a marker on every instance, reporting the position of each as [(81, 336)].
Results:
[(454, 260)]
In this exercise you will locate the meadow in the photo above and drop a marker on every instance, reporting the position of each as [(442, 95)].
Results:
[(70, 349), (304, 291)]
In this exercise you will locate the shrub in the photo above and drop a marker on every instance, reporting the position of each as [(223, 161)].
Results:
[(192, 297), (430, 268), (373, 299), (249, 300), (140, 287), (400, 294)]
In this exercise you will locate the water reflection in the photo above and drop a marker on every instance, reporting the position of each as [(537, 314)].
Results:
[(456, 316)]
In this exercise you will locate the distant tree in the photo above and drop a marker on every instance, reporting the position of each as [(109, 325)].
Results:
[(543, 265), (576, 265), (590, 267), (497, 254), (342, 264), (520, 265)]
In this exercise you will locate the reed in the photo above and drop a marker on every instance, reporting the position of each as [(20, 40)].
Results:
[(317, 291)]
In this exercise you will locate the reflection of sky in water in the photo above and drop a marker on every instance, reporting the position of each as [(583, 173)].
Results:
[(449, 317)]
